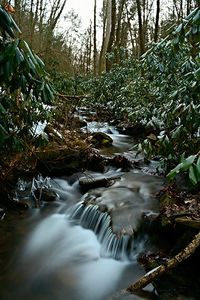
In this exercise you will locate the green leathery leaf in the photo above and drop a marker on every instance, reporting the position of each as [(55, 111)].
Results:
[(196, 17), (188, 162), (31, 65), (29, 52), (14, 25), (45, 98), (10, 50), (198, 165), (23, 84), (194, 29), (7, 69), (192, 175), (40, 62), (192, 13), (197, 172), (2, 109), (183, 166), (19, 56), (49, 91), (12, 22), (4, 16), (179, 28), (2, 129)]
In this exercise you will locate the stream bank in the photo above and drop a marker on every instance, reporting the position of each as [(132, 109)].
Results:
[(53, 240)]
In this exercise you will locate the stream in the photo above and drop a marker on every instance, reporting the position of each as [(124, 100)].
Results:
[(66, 250)]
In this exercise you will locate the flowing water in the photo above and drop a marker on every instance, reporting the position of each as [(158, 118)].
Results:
[(70, 250)]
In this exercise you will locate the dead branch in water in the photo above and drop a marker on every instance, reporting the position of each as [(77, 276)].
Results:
[(171, 263)]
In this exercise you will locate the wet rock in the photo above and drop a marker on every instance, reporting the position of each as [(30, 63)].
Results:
[(45, 194), (109, 131), (58, 162), (87, 183), (18, 204), (53, 135), (101, 139), (94, 161), (78, 123), (120, 161), (137, 130)]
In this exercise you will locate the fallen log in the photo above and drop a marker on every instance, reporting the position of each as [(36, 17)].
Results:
[(75, 97), (171, 263)]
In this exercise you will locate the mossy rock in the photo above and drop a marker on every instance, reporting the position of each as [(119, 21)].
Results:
[(101, 139), (166, 200)]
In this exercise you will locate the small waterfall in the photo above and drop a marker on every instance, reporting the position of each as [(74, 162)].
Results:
[(117, 246)]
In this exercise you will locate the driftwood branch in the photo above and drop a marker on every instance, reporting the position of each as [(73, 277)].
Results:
[(171, 263)]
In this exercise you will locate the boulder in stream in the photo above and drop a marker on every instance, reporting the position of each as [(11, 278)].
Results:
[(101, 139), (45, 194)]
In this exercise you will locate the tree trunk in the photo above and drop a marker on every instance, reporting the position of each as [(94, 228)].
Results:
[(171, 263), (103, 38), (118, 30), (141, 29), (157, 21), (95, 39), (131, 33), (188, 6), (107, 9), (56, 11), (112, 35), (179, 10)]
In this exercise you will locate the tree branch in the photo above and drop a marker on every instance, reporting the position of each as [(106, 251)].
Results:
[(171, 263)]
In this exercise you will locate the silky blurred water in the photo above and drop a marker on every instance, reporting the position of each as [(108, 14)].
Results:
[(44, 254)]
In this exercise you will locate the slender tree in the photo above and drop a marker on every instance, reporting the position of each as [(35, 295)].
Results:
[(157, 21), (95, 39), (112, 35), (141, 28), (107, 21), (119, 28)]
